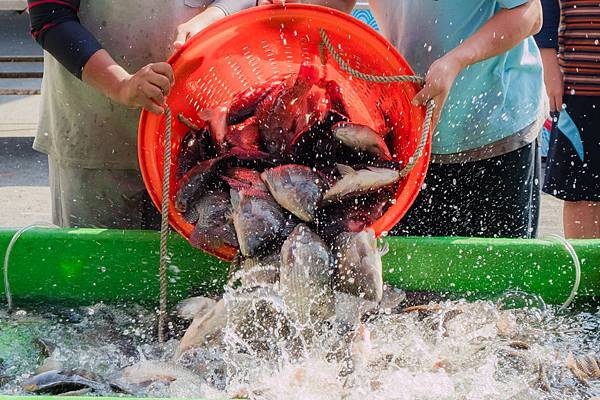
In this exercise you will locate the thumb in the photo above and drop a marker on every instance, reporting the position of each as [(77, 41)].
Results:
[(423, 96), (182, 35)]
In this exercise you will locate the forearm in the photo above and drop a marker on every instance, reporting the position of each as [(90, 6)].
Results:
[(104, 74), (504, 31)]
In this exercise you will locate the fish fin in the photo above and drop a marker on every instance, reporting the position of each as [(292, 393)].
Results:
[(384, 249), (247, 154), (308, 73), (236, 197), (206, 114), (345, 169)]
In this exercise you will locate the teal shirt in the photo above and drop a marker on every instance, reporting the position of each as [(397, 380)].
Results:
[(491, 100)]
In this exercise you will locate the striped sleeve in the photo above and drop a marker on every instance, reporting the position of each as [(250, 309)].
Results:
[(55, 26), (547, 38)]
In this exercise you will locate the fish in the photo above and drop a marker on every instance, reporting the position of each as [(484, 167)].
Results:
[(351, 215), (358, 265), (192, 150), (362, 138), (296, 188), (318, 148), (258, 271), (363, 181), (217, 123), (258, 220), (214, 227), (247, 154), (240, 177), (194, 183), (59, 382), (305, 276), (244, 135), (279, 112), (314, 110), (204, 328), (244, 105), (147, 372), (194, 306), (334, 92)]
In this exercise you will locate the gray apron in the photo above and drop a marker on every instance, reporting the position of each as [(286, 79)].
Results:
[(79, 126)]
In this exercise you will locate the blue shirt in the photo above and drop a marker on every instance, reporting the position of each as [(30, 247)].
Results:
[(491, 100)]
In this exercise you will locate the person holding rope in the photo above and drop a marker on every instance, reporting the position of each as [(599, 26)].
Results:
[(483, 71), (115, 47)]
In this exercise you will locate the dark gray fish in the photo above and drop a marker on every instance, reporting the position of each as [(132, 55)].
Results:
[(258, 220), (306, 275), (58, 382), (214, 228), (358, 265), (351, 215), (296, 188), (191, 186)]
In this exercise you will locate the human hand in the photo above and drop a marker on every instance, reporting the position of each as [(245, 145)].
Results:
[(553, 78), (438, 83), (188, 29), (147, 88)]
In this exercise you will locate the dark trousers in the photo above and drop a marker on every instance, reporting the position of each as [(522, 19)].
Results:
[(497, 197)]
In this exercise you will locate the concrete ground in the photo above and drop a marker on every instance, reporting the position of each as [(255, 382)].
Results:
[(24, 192)]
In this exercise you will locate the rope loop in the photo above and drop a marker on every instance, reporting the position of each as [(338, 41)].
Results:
[(326, 44)]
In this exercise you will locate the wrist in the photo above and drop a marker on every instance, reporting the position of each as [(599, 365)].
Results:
[(455, 62), (119, 88)]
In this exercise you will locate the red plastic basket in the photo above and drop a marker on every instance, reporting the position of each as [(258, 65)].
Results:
[(265, 43)]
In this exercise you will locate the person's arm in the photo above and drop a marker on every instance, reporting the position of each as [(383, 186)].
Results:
[(56, 27), (547, 40), (518, 20), (342, 5)]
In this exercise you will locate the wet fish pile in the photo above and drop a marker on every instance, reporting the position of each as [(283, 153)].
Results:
[(278, 155), (447, 350)]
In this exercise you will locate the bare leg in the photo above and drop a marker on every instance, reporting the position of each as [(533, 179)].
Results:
[(582, 220)]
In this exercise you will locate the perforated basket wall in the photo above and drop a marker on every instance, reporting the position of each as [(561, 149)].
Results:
[(266, 43)]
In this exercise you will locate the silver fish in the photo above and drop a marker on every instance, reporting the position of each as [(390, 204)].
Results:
[(358, 265), (305, 276), (194, 306), (204, 327), (258, 272), (363, 181), (361, 138), (296, 188), (258, 220), (58, 382)]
